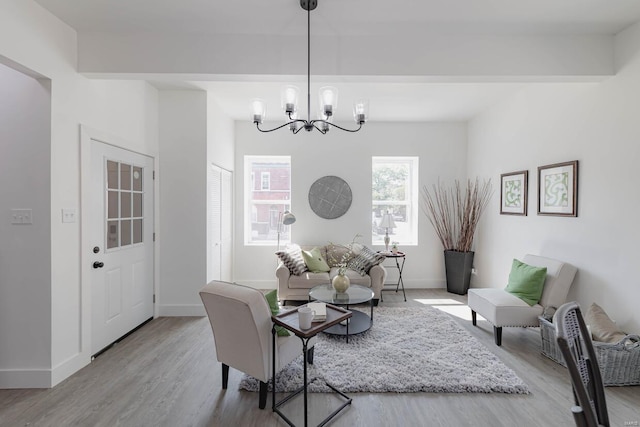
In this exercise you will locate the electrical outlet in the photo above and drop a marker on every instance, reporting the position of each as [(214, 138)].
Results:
[(474, 271), (21, 216)]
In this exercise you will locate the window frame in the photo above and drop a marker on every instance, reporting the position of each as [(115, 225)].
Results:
[(411, 201), (252, 206), (266, 175)]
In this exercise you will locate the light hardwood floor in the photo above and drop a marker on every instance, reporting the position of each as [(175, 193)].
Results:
[(165, 374)]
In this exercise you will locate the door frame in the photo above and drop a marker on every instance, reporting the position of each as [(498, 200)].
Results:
[(88, 134)]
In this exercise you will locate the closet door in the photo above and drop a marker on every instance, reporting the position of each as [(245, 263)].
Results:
[(220, 225), (226, 232)]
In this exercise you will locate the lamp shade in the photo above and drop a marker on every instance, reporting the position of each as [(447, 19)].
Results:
[(288, 218), (258, 110), (387, 221), (328, 100), (361, 111), (289, 99)]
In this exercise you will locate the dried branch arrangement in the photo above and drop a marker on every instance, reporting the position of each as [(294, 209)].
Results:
[(455, 212)]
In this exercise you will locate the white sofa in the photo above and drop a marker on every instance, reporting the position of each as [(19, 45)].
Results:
[(293, 287)]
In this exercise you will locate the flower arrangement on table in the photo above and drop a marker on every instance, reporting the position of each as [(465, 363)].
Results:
[(352, 249)]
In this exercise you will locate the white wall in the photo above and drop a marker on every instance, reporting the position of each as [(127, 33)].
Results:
[(598, 125), (25, 253), (33, 39), (183, 203), (442, 148)]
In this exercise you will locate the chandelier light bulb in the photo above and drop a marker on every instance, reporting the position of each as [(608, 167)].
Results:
[(289, 99)]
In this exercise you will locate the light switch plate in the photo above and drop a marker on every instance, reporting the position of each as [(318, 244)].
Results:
[(68, 215), (21, 216)]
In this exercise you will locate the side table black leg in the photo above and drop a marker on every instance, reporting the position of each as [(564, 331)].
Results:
[(273, 367), (304, 363), (400, 281)]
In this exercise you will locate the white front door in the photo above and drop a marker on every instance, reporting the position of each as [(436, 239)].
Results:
[(121, 236)]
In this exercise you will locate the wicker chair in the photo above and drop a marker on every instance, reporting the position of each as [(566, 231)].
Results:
[(577, 349)]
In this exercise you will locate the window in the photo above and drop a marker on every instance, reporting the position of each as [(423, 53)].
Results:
[(124, 204), (265, 180), (267, 198), (394, 183)]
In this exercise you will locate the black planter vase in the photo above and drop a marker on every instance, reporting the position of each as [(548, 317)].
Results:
[(458, 268)]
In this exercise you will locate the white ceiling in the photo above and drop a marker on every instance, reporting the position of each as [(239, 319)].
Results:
[(392, 99)]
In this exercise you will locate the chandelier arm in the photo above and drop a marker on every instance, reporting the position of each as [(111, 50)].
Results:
[(324, 132), (298, 130), (336, 126), (276, 128)]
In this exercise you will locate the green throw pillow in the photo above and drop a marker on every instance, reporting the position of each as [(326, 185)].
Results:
[(526, 282), (272, 299), (315, 262)]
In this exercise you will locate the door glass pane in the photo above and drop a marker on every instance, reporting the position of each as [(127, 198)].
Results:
[(137, 204), (125, 176), (137, 178), (112, 174), (137, 230), (112, 204), (112, 234), (125, 204), (125, 232)]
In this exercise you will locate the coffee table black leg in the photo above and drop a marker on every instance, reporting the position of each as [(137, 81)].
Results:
[(371, 312), (348, 321)]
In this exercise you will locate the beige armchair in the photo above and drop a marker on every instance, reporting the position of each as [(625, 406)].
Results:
[(241, 323), (501, 308)]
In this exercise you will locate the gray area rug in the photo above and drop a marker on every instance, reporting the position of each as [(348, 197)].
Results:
[(412, 349)]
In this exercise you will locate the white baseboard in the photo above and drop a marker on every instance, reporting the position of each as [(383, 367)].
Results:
[(69, 367), (417, 284), (42, 378), (178, 310), (25, 378)]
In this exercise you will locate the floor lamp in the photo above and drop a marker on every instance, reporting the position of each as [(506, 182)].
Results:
[(286, 218), (387, 222)]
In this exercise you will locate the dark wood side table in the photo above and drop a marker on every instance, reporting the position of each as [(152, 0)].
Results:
[(400, 266), (289, 320)]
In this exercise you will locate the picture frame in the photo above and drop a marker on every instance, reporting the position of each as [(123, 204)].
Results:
[(558, 189), (514, 193)]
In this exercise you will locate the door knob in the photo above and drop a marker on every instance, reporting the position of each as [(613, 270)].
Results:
[(98, 264)]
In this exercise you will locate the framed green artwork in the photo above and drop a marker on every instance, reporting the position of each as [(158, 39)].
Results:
[(513, 193), (558, 189)]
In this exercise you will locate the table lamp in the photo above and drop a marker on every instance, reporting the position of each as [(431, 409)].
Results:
[(387, 222)]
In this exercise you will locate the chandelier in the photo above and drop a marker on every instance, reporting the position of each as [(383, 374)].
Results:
[(328, 99)]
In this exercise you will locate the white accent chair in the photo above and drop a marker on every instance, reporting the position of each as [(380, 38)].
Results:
[(241, 323), (501, 308)]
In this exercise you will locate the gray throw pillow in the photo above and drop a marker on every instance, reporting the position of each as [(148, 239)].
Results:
[(292, 259), (366, 259)]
